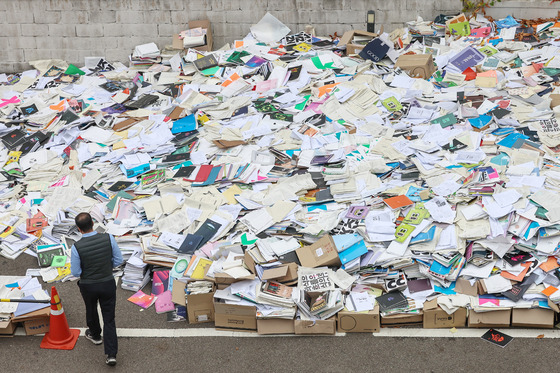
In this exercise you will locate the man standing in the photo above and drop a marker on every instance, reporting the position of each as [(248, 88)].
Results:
[(93, 258)]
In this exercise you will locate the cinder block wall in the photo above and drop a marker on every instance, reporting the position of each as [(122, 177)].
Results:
[(74, 29)]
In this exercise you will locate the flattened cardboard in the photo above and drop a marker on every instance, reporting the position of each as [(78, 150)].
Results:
[(463, 286), (491, 319), (399, 319), (37, 326), (178, 293), (532, 318), (125, 124), (231, 316), (224, 278), (417, 65), (249, 262), (308, 327), (43, 312), (321, 253), (226, 144), (435, 317), (274, 273), (359, 322), (275, 326)]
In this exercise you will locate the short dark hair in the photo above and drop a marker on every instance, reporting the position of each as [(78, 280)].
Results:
[(84, 221)]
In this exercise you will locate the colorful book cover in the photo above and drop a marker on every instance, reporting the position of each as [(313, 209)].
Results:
[(164, 302), (142, 299), (160, 282)]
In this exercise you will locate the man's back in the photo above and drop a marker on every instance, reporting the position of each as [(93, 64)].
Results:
[(96, 258)]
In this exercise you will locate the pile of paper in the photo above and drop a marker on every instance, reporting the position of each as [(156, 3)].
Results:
[(300, 178)]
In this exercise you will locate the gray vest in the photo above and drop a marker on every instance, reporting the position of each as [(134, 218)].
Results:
[(96, 257)]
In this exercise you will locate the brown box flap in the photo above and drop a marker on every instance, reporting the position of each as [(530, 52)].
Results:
[(274, 273), (178, 293)]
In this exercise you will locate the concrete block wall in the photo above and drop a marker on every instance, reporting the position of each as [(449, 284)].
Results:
[(73, 29)]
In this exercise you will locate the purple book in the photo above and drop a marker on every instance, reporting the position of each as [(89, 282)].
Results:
[(468, 57)]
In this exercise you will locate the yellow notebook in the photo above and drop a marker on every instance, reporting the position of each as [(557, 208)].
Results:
[(201, 269)]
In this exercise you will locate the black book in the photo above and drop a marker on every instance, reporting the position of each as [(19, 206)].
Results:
[(176, 158), (31, 143), (455, 146), (206, 62), (518, 290), (190, 244), (120, 185), (207, 230), (290, 257), (111, 86), (185, 171), (28, 110), (69, 116), (185, 137), (295, 71), (13, 139), (323, 43), (391, 300), (496, 337), (142, 102)]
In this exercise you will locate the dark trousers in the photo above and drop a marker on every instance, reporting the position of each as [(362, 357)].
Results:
[(106, 294)]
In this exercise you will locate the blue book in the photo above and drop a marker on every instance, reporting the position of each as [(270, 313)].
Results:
[(440, 269), (135, 171), (424, 236), (353, 252), (375, 50), (345, 241), (211, 177), (510, 139), (185, 124), (480, 122)]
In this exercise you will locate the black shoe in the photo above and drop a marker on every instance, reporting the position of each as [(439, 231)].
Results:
[(111, 361), (95, 341)]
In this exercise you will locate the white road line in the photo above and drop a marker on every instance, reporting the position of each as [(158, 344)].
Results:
[(385, 332)]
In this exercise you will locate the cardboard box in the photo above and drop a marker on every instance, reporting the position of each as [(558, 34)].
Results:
[(200, 308), (490, 319), (346, 40), (231, 316), (7, 328), (435, 317), (321, 253), (400, 319), (417, 65), (532, 318), (359, 322), (275, 326), (36, 326), (178, 43), (307, 327)]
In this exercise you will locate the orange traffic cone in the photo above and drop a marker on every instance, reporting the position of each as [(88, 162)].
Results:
[(59, 336)]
